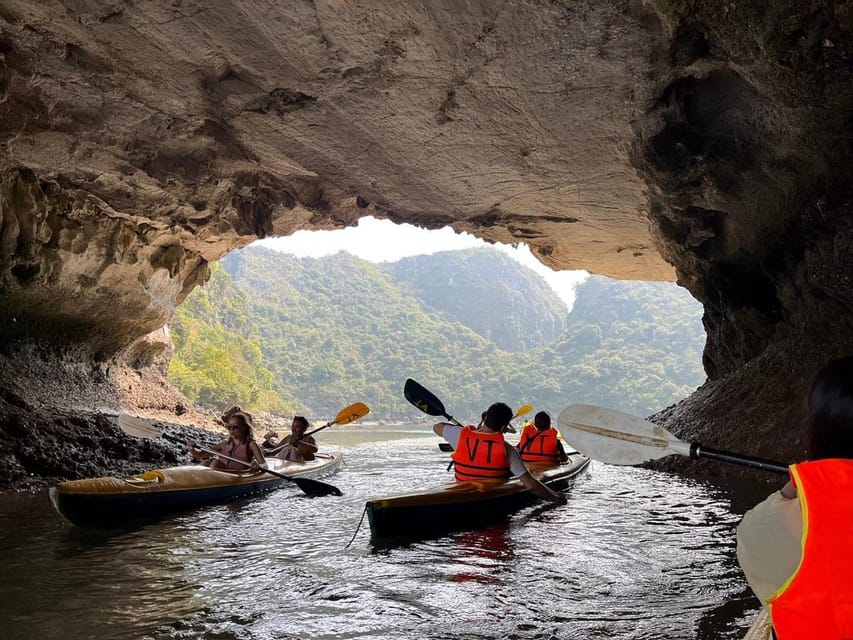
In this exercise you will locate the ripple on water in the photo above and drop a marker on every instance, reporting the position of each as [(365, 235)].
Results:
[(635, 554)]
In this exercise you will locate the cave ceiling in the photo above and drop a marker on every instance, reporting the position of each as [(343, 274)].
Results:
[(142, 140), (647, 140)]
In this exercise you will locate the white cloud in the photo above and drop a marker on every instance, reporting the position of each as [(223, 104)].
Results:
[(383, 241)]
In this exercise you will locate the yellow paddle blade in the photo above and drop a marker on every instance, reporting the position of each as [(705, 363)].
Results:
[(351, 413), (523, 410)]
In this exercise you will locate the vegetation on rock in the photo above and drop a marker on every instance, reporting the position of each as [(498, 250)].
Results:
[(277, 333)]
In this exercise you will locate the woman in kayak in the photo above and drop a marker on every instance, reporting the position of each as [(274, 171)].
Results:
[(795, 547), (240, 445), (297, 446), (482, 454)]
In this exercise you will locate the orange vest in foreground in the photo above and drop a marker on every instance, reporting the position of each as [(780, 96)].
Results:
[(543, 447), (480, 456), (816, 603)]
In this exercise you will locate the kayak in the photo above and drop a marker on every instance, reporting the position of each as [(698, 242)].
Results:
[(760, 629), (112, 501), (461, 505)]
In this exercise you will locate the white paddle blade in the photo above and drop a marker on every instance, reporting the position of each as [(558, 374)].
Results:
[(138, 427), (615, 437)]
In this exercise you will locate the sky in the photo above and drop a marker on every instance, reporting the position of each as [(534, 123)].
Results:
[(383, 241)]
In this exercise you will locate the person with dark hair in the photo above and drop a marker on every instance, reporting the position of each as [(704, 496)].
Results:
[(297, 446), (482, 454), (796, 547), (240, 445), (539, 442)]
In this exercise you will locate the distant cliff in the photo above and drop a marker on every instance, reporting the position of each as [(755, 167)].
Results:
[(487, 292)]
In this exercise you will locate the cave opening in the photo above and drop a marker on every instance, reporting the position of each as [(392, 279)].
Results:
[(304, 323)]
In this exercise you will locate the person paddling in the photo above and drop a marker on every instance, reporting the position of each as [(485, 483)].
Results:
[(240, 445), (482, 454), (297, 446), (795, 547), (539, 442)]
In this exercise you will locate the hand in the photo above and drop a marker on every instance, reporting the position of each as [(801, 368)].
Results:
[(190, 445), (254, 467), (560, 498)]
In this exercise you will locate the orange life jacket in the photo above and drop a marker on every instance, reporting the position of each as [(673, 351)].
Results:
[(480, 456), (539, 446), (816, 603)]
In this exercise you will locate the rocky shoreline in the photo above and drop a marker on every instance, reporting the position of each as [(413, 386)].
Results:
[(41, 449), (59, 419)]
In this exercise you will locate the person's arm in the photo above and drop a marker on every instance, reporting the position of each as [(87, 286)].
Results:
[(307, 447), (537, 488), (257, 452), (201, 455), (281, 445), (270, 440), (769, 544), (307, 441), (448, 431), (519, 470), (438, 428)]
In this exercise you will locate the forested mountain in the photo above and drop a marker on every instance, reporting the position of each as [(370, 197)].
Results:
[(271, 331), (486, 291)]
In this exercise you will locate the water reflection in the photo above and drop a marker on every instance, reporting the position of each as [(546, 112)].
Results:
[(635, 554), (482, 555)]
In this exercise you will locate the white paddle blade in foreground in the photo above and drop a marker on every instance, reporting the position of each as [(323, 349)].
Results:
[(615, 437), (138, 427)]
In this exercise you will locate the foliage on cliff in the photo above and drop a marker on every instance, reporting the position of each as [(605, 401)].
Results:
[(486, 291), (218, 360), (271, 330)]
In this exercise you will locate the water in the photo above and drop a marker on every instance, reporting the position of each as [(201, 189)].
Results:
[(635, 554)]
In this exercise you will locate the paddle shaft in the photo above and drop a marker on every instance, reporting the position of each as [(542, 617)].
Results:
[(698, 451), (216, 454), (619, 438), (311, 487), (304, 435)]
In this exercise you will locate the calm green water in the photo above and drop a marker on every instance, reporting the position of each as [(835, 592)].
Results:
[(635, 554)]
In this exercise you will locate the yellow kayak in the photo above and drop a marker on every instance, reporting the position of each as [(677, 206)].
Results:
[(110, 500)]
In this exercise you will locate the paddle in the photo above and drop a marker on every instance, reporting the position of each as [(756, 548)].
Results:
[(144, 428), (348, 414), (138, 427), (618, 438), (522, 410), (310, 487), (424, 400)]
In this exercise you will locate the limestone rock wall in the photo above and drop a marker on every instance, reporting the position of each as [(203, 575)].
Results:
[(707, 142), (747, 153), (142, 140)]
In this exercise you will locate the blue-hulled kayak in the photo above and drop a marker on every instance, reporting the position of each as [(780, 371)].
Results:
[(112, 501), (461, 505)]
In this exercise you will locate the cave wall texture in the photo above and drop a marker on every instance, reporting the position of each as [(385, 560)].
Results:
[(703, 142)]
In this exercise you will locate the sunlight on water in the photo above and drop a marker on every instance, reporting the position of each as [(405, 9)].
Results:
[(635, 554)]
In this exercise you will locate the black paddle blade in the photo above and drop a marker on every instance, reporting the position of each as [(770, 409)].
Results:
[(316, 488), (445, 446), (423, 399)]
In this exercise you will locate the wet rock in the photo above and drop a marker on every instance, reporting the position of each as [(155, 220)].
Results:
[(714, 139)]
